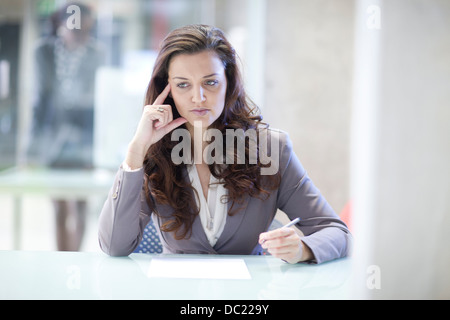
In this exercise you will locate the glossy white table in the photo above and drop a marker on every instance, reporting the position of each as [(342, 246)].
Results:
[(78, 275)]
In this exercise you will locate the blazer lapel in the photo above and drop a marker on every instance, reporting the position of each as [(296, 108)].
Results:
[(200, 235), (197, 228), (231, 225), (233, 222)]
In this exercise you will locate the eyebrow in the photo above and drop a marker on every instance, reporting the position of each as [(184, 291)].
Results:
[(208, 76)]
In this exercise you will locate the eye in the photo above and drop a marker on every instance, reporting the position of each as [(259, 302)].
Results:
[(183, 85), (211, 82)]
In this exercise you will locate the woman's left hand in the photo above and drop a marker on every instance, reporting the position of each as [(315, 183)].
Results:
[(286, 244)]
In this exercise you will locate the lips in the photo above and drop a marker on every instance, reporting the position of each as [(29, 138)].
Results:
[(200, 111)]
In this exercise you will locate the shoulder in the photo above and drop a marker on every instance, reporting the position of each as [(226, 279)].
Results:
[(275, 148), (44, 53), (96, 48), (95, 45), (45, 44), (274, 135)]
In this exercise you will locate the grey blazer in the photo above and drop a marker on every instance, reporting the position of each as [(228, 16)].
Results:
[(126, 213)]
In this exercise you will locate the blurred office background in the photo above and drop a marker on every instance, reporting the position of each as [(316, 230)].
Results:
[(362, 87)]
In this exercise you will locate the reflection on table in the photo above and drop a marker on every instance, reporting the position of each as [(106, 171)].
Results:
[(76, 275)]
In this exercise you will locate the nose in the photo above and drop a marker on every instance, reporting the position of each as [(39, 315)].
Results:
[(198, 95)]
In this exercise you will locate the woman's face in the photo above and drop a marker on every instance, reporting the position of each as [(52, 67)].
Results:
[(198, 86)]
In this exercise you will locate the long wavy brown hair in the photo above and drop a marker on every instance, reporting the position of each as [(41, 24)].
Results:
[(167, 183)]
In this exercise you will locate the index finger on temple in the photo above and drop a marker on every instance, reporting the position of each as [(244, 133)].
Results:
[(162, 96)]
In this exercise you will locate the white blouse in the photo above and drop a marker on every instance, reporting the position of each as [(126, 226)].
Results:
[(213, 211)]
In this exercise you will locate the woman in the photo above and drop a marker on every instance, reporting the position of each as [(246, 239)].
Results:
[(63, 112), (223, 207)]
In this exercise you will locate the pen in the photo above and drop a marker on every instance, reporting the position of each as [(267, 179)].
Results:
[(290, 224)]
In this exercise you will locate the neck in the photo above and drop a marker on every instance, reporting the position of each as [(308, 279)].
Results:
[(197, 142)]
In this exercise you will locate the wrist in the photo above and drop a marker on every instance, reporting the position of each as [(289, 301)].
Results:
[(306, 253), (135, 156), (127, 168)]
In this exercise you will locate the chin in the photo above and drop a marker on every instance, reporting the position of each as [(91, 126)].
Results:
[(203, 123)]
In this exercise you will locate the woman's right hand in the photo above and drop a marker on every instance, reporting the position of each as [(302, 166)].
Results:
[(156, 121)]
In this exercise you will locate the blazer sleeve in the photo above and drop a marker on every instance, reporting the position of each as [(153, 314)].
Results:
[(325, 234), (124, 214)]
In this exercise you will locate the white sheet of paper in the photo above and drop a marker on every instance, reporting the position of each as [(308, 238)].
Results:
[(198, 268)]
